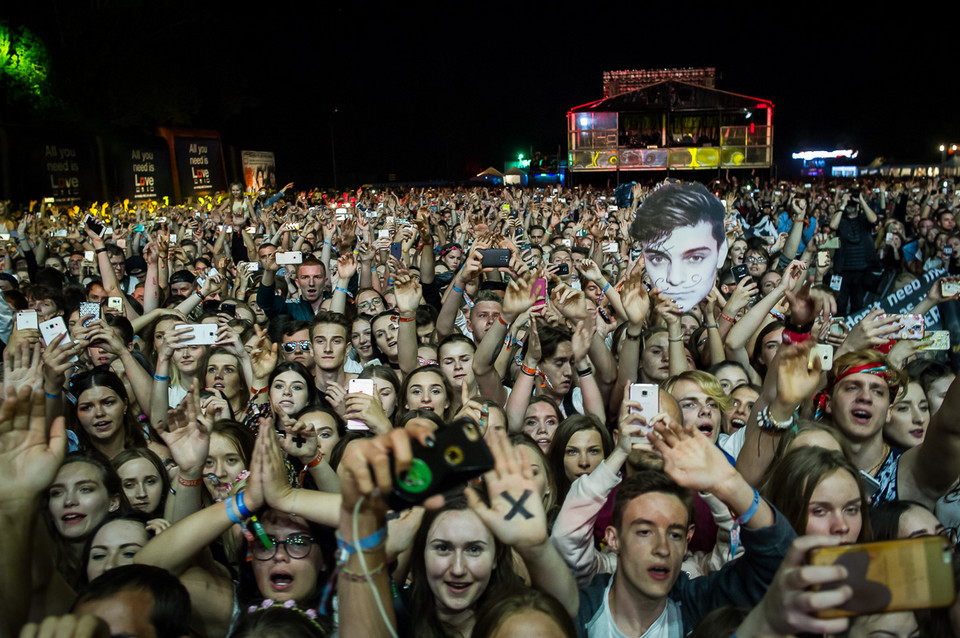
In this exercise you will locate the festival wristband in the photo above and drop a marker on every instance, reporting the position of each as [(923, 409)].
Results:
[(403, 319), (158, 377), (528, 370), (316, 461), (373, 541), (189, 482), (341, 289), (455, 289), (241, 506), (231, 514)]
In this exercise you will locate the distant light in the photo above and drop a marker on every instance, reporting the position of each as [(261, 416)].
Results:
[(942, 148), (584, 121), (953, 147), (811, 155), (520, 157), (749, 114)]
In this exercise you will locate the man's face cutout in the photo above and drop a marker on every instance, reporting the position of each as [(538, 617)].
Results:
[(684, 263)]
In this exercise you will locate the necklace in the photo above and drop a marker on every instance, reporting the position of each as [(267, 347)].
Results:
[(883, 457)]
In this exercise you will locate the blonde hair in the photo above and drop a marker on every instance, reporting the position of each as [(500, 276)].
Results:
[(897, 379), (707, 382)]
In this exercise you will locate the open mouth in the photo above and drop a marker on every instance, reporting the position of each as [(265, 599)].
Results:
[(281, 581), (736, 424), (861, 416), (457, 588), (102, 426), (392, 344), (72, 518), (706, 428), (659, 572), (218, 386)]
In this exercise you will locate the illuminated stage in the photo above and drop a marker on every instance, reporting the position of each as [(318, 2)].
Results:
[(671, 125)]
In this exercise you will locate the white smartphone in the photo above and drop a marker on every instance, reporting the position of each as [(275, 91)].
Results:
[(116, 303), (204, 334), (290, 257), (92, 309), (936, 340), (51, 328), (88, 255), (253, 266), (610, 247), (383, 234), (824, 352), (4, 236), (360, 386), (27, 320), (648, 396), (173, 238)]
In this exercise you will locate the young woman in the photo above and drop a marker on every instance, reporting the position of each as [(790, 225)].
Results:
[(228, 457), (385, 338), (427, 388), (361, 338), (386, 386), (909, 418), (455, 355), (905, 519), (114, 543), (533, 456), (84, 491), (102, 420), (819, 492), (541, 420), (226, 372), (744, 397), (580, 444), (144, 480), (702, 401), (291, 388)]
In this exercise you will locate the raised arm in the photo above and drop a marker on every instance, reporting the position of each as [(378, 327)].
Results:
[(930, 469), (409, 293)]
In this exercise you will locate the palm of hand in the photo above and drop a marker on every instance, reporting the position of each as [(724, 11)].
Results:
[(518, 518), (692, 462), (26, 462)]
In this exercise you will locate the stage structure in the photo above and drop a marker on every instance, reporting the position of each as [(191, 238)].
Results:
[(671, 125)]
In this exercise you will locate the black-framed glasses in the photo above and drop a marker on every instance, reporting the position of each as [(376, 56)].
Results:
[(296, 546), (293, 346)]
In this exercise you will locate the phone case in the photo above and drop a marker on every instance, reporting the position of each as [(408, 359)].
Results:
[(204, 334), (936, 340), (912, 326), (89, 308), (888, 576), (115, 303), (824, 352), (458, 455), (950, 288), (495, 258), (27, 320), (288, 258)]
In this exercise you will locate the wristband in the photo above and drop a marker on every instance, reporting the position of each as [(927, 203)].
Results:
[(455, 289), (793, 333), (52, 396), (528, 370), (364, 544), (727, 317), (674, 340), (157, 377), (231, 514), (630, 337), (341, 289), (500, 319), (100, 250), (403, 319), (712, 326), (241, 506), (767, 424), (741, 520), (606, 288), (315, 462), (746, 516), (197, 293), (189, 482), (585, 373), (778, 315), (255, 392)]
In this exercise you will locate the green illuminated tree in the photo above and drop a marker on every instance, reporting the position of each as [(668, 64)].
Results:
[(24, 66)]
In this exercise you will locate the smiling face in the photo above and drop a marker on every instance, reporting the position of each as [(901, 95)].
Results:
[(684, 264), (651, 542), (460, 556), (426, 391), (456, 361), (141, 484), (583, 454), (540, 422), (223, 373), (284, 577), (288, 392), (78, 500), (225, 462), (100, 411), (114, 545), (385, 335), (700, 410), (834, 508)]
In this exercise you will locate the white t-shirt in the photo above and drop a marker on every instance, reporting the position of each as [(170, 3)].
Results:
[(668, 625), (733, 443), (175, 395)]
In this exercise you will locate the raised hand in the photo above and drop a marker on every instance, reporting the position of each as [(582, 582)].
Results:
[(21, 367), (690, 458), (515, 514), (186, 436), (872, 330), (408, 292), (29, 457), (580, 341), (797, 376), (263, 355), (299, 440), (518, 297), (571, 303), (346, 268)]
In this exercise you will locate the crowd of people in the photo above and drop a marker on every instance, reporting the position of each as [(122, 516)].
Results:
[(669, 393)]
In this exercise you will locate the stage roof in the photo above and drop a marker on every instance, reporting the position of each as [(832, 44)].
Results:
[(675, 96)]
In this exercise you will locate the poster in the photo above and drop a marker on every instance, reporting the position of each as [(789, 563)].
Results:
[(64, 168), (199, 165), (259, 170), (143, 170)]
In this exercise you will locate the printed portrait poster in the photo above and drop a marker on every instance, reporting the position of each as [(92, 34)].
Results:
[(259, 170), (681, 229)]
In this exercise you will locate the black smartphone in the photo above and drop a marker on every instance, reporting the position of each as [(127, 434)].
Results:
[(229, 309), (95, 226), (396, 250), (563, 269), (495, 258), (739, 272), (459, 454)]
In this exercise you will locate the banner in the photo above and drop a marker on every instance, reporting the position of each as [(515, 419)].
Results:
[(199, 165), (62, 168), (143, 170), (900, 301), (259, 170)]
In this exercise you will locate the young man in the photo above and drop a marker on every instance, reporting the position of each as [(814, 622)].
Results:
[(681, 229), (330, 337), (310, 279), (296, 343), (860, 392)]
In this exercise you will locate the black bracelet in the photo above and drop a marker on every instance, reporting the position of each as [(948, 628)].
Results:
[(100, 250), (630, 337), (585, 373)]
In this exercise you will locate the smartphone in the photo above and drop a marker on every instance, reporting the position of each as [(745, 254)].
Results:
[(290, 257), (838, 327), (740, 272), (173, 238), (4, 236), (936, 340), (889, 238), (495, 258), (833, 242), (204, 334), (823, 258), (898, 575), (27, 320), (539, 290), (610, 247), (51, 328), (458, 455), (95, 226), (139, 228), (396, 250), (253, 266), (567, 242), (823, 352), (116, 303), (92, 309), (360, 386), (648, 396), (950, 288), (563, 269), (89, 255), (228, 308), (911, 326)]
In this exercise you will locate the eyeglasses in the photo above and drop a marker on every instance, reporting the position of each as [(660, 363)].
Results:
[(296, 546), (293, 346), (370, 303), (756, 260)]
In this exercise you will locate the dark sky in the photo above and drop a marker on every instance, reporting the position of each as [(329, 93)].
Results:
[(426, 91)]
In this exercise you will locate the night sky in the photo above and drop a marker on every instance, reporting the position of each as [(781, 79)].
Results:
[(424, 91)]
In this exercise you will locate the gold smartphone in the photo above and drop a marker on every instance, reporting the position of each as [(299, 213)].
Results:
[(900, 575)]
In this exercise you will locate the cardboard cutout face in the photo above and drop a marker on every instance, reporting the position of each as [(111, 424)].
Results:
[(679, 226)]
